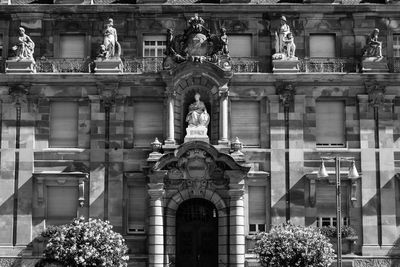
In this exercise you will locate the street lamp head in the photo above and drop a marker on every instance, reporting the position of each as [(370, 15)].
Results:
[(322, 173), (353, 173)]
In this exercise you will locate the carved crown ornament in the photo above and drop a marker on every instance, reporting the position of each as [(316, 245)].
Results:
[(376, 94), (197, 44)]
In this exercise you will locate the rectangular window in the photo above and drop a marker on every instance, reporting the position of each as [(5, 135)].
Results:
[(63, 124), (245, 122), (154, 46), (326, 203), (62, 204), (240, 45), (396, 45), (137, 208), (257, 208), (72, 46), (330, 123), (322, 45), (148, 122)]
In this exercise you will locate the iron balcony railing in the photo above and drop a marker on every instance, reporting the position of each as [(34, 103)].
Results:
[(329, 65), (394, 64), (245, 64), (63, 65)]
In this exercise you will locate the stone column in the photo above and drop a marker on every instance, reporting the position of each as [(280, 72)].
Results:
[(224, 93), (368, 168), (171, 94), (236, 219), (156, 225)]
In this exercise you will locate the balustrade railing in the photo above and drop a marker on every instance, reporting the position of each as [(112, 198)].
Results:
[(63, 65), (245, 64), (328, 65), (394, 64), (143, 65)]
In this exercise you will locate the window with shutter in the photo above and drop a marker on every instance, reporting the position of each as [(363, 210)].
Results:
[(63, 124), (330, 123), (148, 122), (322, 45), (154, 45), (62, 204), (257, 208), (245, 122), (326, 200), (240, 45), (137, 208), (72, 46)]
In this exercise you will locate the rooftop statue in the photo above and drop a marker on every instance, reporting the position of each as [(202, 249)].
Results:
[(285, 47), (110, 48), (197, 115), (25, 47), (373, 47), (196, 44)]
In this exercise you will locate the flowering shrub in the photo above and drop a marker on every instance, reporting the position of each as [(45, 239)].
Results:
[(347, 232), (290, 245), (85, 243)]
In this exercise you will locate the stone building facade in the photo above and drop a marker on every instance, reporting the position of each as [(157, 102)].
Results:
[(80, 141)]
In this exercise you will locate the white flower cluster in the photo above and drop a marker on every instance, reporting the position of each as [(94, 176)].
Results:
[(87, 243), (291, 245)]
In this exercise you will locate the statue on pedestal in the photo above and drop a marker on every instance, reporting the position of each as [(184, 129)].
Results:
[(197, 115), (25, 47), (198, 120), (110, 48), (285, 47), (373, 47), (224, 41)]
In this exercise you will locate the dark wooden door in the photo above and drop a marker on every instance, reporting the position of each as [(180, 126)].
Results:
[(197, 234)]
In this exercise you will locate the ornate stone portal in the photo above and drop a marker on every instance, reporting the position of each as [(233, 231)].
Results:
[(196, 170)]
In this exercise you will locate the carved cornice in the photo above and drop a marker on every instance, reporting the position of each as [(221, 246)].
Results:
[(376, 94), (286, 92)]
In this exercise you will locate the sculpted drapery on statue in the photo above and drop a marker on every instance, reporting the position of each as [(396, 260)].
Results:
[(197, 115), (373, 47), (110, 48), (24, 47), (285, 47)]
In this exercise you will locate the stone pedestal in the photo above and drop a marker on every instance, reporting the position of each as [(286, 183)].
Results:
[(108, 66), (198, 133), (20, 66), (285, 65), (374, 65)]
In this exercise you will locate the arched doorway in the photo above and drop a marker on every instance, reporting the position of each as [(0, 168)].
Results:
[(197, 234)]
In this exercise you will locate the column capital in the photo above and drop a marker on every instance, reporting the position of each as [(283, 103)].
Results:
[(223, 91), (376, 93), (286, 92), (19, 94), (236, 194), (156, 191), (170, 93)]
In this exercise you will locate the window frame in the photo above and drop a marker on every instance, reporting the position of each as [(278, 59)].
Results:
[(132, 179), (324, 34), (73, 179), (156, 46), (77, 123), (57, 43), (252, 43), (230, 115), (330, 146)]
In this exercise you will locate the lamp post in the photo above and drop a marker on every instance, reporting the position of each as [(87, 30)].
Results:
[(353, 174)]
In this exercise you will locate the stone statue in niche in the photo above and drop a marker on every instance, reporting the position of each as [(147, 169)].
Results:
[(285, 47), (25, 47), (373, 47), (110, 48), (197, 115), (198, 120)]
